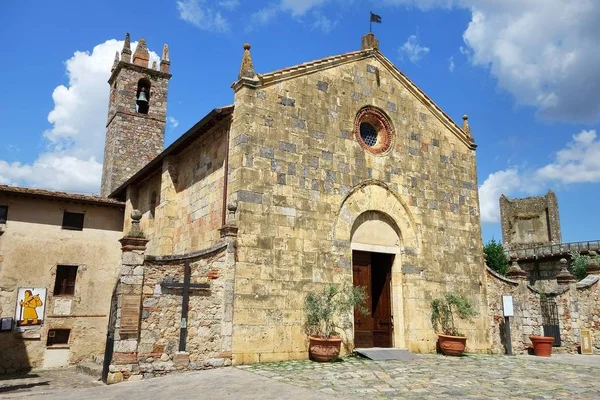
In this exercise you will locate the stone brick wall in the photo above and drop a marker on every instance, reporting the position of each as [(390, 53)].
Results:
[(530, 221), (578, 308), (301, 179), (209, 318), (189, 201), (132, 139), (154, 349)]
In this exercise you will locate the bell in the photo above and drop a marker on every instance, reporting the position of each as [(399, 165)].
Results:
[(142, 101)]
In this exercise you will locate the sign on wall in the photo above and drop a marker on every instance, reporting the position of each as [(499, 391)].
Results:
[(507, 306), (130, 314), (586, 342), (31, 308)]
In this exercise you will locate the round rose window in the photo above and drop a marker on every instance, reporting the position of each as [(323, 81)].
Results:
[(373, 130)]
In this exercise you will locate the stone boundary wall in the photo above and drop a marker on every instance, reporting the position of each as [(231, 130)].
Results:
[(153, 350), (578, 308)]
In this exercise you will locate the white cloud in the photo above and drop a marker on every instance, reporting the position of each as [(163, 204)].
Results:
[(412, 49), (545, 52), (451, 64), (263, 16), (201, 16), (300, 7), (229, 4), (298, 10), (72, 159), (501, 182), (172, 122), (323, 23), (577, 162)]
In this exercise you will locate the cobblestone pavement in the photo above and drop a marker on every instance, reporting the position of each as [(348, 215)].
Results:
[(426, 377), (439, 377), (16, 386)]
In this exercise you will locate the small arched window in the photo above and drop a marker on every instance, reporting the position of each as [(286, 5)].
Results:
[(142, 97)]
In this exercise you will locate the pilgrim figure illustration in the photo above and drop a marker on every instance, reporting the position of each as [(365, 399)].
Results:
[(30, 309)]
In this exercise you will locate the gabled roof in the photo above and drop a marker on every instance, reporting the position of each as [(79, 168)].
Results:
[(210, 120), (333, 61), (55, 195)]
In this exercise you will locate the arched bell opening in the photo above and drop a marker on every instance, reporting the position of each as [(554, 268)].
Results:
[(142, 96)]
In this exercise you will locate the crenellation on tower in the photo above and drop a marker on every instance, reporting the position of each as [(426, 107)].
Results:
[(165, 63), (126, 52), (141, 56), (137, 114)]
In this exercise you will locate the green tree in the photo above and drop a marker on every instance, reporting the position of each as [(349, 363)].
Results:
[(579, 264), (496, 257)]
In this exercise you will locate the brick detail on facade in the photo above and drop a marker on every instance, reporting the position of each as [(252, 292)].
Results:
[(381, 123)]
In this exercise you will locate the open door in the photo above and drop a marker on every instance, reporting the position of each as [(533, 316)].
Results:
[(373, 271)]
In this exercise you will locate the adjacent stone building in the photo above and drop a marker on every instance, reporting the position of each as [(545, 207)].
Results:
[(58, 267), (548, 300), (339, 170), (532, 236)]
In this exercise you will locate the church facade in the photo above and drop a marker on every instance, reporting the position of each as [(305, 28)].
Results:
[(339, 170)]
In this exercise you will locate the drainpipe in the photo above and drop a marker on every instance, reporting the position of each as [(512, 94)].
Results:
[(225, 179)]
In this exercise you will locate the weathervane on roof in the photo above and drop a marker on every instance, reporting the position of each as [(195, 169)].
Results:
[(374, 18)]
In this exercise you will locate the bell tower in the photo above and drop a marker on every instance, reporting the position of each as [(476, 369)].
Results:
[(137, 114)]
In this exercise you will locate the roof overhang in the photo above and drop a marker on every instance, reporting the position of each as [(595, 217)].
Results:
[(211, 119)]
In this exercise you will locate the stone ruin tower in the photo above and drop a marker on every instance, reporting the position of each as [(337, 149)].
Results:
[(137, 114), (530, 222)]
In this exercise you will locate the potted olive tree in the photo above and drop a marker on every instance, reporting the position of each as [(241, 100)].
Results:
[(326, 310), (442, 317)]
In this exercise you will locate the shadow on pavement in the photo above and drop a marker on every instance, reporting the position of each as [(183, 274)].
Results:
[(10, 388)]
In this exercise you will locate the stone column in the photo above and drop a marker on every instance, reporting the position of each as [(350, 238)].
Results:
[(129, 294), (229, 234), (521, 322)]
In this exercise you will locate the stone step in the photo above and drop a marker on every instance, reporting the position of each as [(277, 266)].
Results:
[(382, 353), (89, 368)]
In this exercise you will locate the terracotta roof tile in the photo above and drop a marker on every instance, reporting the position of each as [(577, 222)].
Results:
[(51, 194)]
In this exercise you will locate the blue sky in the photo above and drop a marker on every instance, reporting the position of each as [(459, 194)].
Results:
[(527, 72)]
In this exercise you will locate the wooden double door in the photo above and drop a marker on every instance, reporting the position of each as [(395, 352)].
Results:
[(374, 272)]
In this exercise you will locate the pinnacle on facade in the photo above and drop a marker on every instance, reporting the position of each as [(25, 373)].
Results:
[(126, 52), (115, 62), (593, 267), (247, 69), (141, 56), (165, 64), (515, 271), (369, 41), (466, 128), (564, 277)]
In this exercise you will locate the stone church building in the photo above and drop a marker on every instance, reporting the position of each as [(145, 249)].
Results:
[(338, 170)]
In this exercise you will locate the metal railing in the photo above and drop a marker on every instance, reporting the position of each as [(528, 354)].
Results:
[(555, 249)]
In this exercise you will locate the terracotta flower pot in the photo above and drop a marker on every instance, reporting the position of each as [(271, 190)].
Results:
[(542, 345), (452, 345), (324, 350)]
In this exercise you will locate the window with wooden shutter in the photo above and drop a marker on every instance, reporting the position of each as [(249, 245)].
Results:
[(65, 280)]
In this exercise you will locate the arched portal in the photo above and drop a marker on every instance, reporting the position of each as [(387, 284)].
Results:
[(380, 235)]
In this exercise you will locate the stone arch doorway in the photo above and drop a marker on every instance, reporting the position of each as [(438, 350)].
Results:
[(375, 243), (375, 227)]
